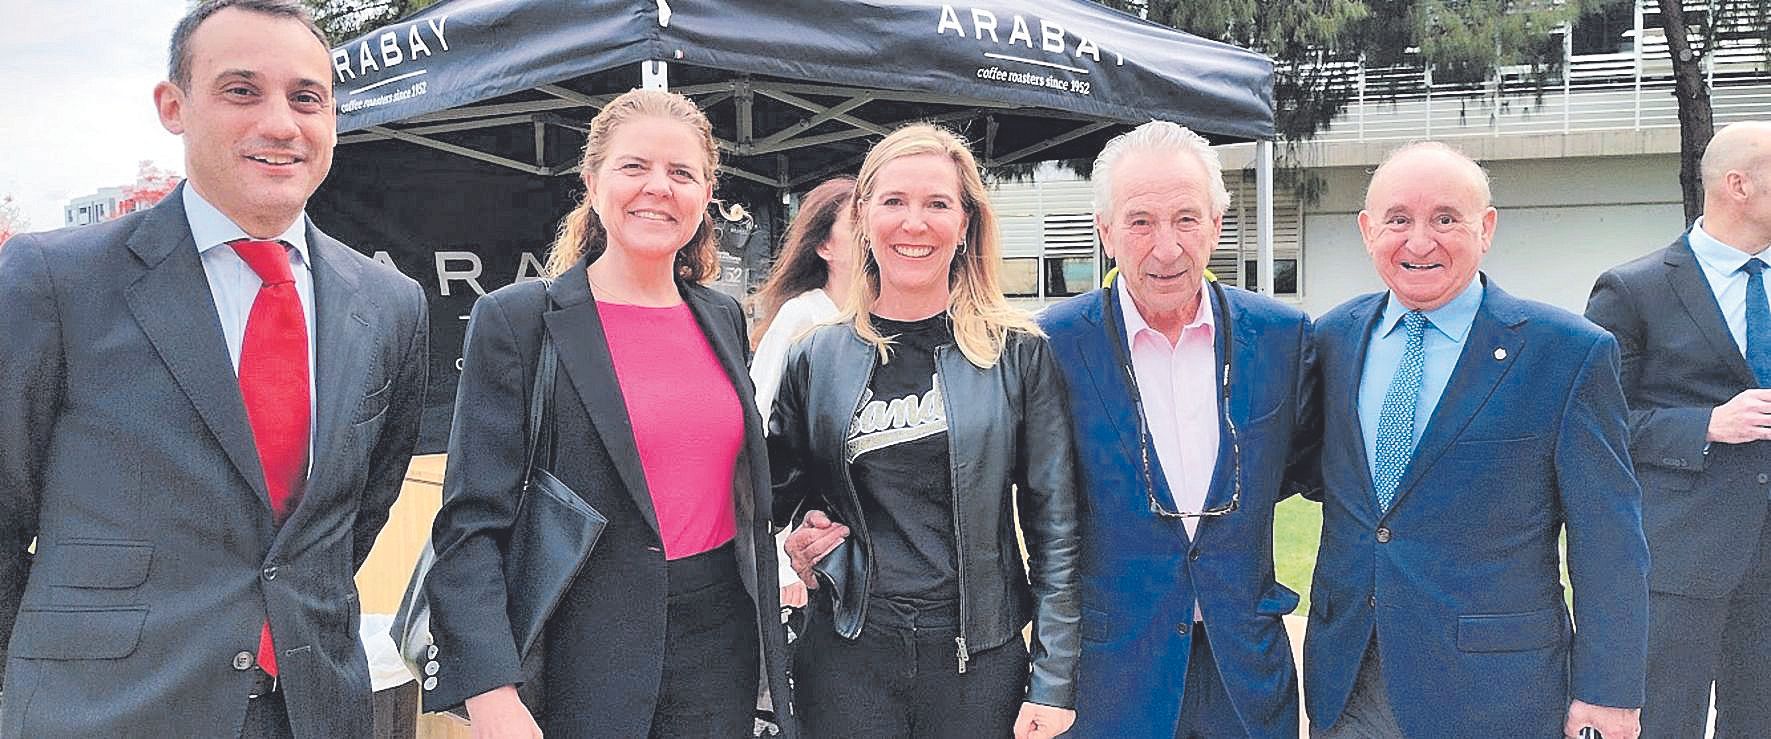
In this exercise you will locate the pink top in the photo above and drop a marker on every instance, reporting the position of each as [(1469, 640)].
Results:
[(687, 422), (1180, 401)]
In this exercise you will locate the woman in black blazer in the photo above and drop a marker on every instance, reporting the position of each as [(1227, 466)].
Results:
[(665, 631)]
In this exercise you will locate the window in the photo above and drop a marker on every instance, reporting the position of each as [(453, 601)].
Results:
[(1020, 277), (1285, 275), (1069, 275)]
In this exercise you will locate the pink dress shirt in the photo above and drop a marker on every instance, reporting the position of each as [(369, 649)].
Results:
[(1180, 401)]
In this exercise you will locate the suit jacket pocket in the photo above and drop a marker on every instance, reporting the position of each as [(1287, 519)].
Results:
[(373, 404), (1496, 449), (96, 563), (78, 632), (1509, 632)]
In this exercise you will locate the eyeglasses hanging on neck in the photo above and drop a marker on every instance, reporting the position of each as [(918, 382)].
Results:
[(1117, 337)]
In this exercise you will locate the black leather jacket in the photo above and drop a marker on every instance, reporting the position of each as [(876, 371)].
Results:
[(1008, 429)]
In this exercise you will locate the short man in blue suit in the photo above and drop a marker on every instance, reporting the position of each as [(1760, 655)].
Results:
[(1194, 413), (1695, 329), (1465, 429)]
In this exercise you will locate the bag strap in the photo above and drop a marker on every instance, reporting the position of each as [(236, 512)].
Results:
[(541, 421)]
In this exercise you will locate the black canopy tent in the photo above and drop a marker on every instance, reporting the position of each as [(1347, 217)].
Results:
[(461, 126)]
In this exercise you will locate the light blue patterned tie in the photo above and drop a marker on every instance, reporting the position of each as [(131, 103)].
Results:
[(1395, 425), (1758, 322)]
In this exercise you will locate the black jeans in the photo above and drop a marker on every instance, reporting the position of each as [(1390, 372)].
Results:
[(711, 651), (901, 679)]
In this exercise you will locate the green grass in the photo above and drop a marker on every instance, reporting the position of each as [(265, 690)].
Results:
[(1297, 527)]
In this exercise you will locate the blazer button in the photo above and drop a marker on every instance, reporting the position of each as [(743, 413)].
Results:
[(1193, 556), (243, 661), (269, 573), (1181, 628), (1383, 535), (1371, 601), (432, 652), (430, 683), (1764, 478)]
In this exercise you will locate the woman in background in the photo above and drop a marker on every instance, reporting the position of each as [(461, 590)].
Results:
[(810, 279), (907, 433), (659, 635)]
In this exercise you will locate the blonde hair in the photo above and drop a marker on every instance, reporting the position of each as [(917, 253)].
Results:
[(582, 232), (982, 317)]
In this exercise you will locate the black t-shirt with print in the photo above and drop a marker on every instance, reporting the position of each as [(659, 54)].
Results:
[(897, 454)]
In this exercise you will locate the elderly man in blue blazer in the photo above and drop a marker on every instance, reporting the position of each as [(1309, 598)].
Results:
[(1465, 430), (1194, 414)]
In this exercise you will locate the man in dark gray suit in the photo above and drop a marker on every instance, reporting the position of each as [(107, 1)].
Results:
[(206, 410), (1695, 331)]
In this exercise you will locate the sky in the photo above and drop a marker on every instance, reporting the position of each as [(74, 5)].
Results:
[(77, 80)]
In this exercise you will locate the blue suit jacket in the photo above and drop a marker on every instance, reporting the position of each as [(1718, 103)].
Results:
[(1141, 574), (1459, 580)]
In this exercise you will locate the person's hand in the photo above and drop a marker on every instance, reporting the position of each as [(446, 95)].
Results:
[(1745, 417), (816, 536), (1042, 722), (795, 595), (1612, 723), (499, 714)]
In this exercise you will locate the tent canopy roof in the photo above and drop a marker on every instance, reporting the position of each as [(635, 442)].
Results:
[(512, 82)]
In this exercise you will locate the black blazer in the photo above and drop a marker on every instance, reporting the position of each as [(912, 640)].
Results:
[(606, 640), (1679, 362), (125, 450)]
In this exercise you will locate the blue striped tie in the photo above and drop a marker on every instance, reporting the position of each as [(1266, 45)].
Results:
[(1758, 322), (1395, 424)]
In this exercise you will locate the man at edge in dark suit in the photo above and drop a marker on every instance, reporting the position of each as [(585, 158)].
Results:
[(1696, 337), (206, 410)]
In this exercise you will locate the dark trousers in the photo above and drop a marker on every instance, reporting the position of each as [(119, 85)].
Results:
[(1206, 711), (902, 680), (711, 651), (1693, 642)]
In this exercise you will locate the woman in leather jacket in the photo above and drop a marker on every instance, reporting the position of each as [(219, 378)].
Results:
[(904, 436)]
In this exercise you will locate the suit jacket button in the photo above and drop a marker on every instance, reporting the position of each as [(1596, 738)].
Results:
[(1763, 478), (243, 661), (269, 573), (431, 653), (430, 683), (1383, 535), (1193, 556), (430, 668), (1181, 628), (1371, 601)]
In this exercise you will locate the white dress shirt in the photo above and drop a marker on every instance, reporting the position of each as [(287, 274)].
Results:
[(233, 285)]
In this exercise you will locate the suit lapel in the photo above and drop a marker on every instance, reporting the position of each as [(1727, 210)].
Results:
[(1698, 297), (1101, 362), (1347, 375), (1490, 350), (577, 331), (1239, 344), (171, 302), (342, 336)]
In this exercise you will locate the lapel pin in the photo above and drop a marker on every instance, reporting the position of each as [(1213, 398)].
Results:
[(1500, 354)]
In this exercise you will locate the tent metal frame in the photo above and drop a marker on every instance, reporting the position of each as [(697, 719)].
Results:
[(539, 114)]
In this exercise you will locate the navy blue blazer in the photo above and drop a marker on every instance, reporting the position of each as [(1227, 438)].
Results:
[(1141, 573), (1459, 581)]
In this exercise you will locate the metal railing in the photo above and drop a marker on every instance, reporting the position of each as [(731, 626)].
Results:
[(1632, 90)]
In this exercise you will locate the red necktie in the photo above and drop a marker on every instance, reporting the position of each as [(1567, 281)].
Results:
[(274, 383)]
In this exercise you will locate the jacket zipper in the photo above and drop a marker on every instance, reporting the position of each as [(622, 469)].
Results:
[(961, 652), (855, 499)]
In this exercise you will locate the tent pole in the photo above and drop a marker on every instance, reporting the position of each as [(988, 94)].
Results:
[(1263, 179), (654, 75)]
